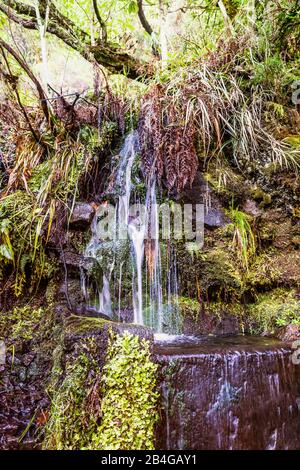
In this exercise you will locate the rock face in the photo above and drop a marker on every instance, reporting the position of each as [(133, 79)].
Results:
[(228, 394), (222, 325), (201, 193), (38, 365), (82, 216), (289, 333)]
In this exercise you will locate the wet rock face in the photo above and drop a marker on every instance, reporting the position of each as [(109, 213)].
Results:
[(226, 396), (289, 333), (23, 398), (201, 193), (82, 216), (222, 325)]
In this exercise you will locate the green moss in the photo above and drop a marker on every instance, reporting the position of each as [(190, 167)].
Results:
[(74, 412), (92, 138), (279, 307), (76, 324), (259, 195), (189, 307), (293, 141), (262, 272), (217, 308), (219, 270), (112, 409), (275, 268), (20, 323)]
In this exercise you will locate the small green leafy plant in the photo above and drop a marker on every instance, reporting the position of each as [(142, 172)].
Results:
[(243, 238), (115, 408), (129, 401)]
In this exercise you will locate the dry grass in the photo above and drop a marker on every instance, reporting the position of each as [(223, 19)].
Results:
[(204, 112)]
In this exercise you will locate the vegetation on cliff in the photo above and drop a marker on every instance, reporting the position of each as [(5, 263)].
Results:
[(112, 408), (212, 89)]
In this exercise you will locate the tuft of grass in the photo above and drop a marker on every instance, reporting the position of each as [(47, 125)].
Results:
[(243, 238), (203, 111)]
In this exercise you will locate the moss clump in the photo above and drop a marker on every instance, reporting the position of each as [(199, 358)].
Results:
[(235, 309), (218, 271), (76, 324), (20, 323), (259, 195), (129, 398), (275, 269), (279, 307), (293, 140), (189, 307), (75, 405)]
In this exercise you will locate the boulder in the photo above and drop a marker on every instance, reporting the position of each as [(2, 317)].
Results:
[(214, 217), (251, 208), (82, 216), (289, 333), (201, 193)]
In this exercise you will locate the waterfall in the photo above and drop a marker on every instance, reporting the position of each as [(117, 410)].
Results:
[(136, 235), (156, 301), (154, 290), (215, 394), (104, 297)]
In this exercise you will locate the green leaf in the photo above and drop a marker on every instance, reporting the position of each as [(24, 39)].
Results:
[(132, 7), (6, 252)]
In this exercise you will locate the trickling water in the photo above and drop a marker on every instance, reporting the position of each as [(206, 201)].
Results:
[(154, 267), (127, 157), (104, 297), (136, 235), (153, 299), (227, 393)]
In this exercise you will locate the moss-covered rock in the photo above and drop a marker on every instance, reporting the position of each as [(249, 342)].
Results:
[(104, 402), (219, 274), (217, 318), (275, 268), (279, 307)]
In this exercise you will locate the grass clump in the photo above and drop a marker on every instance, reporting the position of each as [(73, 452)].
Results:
[(23, 234), (243, 238)]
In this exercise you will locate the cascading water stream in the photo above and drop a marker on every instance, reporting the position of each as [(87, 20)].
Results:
[(228, 393), (139, 224), (155, 268), (137, 238)]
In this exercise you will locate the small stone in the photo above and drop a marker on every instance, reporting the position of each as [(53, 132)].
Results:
[(22, 374), (82, 215), (251, 208), (28, 358), (214, 218)]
